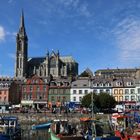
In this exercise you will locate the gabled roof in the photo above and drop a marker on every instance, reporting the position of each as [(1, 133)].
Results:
[(84, 83), (67, 59), (36, 60)]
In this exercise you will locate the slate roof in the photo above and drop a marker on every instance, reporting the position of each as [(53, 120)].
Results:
[(36, 60), (84, 83), (67, 59)]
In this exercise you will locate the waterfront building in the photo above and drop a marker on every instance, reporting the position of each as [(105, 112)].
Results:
[(79, 88), (118, 73), (59, 91), (129, 89), (9, 93), (102, 85), (118, 89), (137, 89), (51, 64), (35, 92)]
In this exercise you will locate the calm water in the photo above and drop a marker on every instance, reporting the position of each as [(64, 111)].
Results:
[(29, 134)]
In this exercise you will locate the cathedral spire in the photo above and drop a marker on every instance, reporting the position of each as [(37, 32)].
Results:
[(22, 25), (22, 20)]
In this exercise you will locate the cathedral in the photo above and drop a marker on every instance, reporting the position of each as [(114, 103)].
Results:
[(52, 64)]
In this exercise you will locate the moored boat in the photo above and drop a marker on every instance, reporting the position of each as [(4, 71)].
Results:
[(124, 128), (41, 126), (87, 130), (9, 128)]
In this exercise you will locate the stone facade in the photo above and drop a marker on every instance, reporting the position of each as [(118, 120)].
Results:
[(51, 64)]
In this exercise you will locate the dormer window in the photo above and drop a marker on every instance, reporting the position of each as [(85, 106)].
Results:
[(118, 83), (75, 85), (129, 83), (101, 84), (95, 85), (84, 85)]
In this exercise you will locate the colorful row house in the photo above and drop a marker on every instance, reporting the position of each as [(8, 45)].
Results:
[(35, 92), (10, 94), (80, 88), (59, 92)]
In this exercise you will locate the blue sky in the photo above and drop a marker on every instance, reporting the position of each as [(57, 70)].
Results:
[(97, 33)]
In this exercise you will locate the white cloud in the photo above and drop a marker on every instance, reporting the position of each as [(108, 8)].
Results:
[(2, 33), (127, 35)]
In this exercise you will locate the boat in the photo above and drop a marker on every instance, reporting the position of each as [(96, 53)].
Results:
[(125, 127), (62, 130), (9, 128), (97, 129), (86, 130), (41, 126)]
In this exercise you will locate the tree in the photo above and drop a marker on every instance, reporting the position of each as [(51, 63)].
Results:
[(102, 101), (106, 101), (86, 101)]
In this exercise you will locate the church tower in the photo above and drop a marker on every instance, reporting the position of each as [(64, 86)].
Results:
[(21, 50)]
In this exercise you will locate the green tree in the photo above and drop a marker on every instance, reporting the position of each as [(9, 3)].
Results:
[(106, 101), (101, 101), (86, 101)]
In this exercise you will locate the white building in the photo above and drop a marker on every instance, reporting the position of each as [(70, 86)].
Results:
[(80, 88)]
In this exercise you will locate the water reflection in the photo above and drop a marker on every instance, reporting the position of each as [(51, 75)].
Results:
[(29, 134)]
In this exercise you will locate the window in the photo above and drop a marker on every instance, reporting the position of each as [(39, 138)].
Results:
[(30, 96), (139, 90), (108, 91), (80, 99), (115, 91), (126, 91), (24, 89), (74, 99), (44, 88), (84, 85), (126, 98), (31, 88), (38, 95), (120, 91), (86, 91), (52, 98), (120, 98), (129, 83), (118, 83), (101, 90), (5, 98), (52, 62), (101, 84), (132, 91), (132, 98), (75, 85), (38, 88), (80, 91), (95, 91), (24, 96), (74, 91)]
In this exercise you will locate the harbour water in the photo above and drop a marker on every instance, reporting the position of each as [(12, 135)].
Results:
[(28, 134)]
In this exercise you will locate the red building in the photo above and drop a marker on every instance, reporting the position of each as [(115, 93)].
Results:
[(10, 93), (35, 92)]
